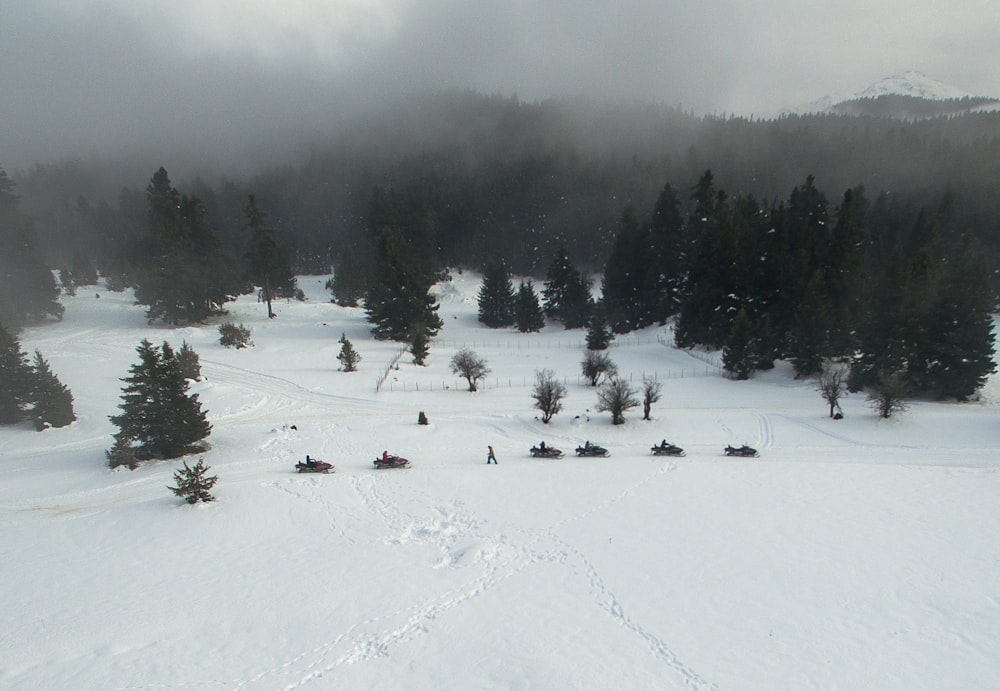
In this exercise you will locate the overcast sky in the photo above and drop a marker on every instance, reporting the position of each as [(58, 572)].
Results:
[(108, 76)]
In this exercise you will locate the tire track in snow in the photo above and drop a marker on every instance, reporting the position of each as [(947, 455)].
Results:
[(607, 600), (464, 541), (766, 431)]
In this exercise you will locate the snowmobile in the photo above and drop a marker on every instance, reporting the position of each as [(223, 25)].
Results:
[(546, 452), (589, 449), (314, 465), (391, 462), (747, 451), (665, 449)]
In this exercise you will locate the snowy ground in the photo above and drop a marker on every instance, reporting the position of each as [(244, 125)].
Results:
[(852, 554)]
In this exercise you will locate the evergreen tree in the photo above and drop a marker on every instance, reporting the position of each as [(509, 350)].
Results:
[(348, 282), (567, 292), (599, 334), (267, 266), (714, 290), (181, 274), (665, 272), (528, 313), (52, 402), (418, 347), (496, 297), (844, 270), (348, 356), (159, 419), (810, 337), (83, 270), (28, 289), (577, 304), (189, 362), (739, 356), (234, 335), (399, 301), (66, 281), (623, 287), (960, 343), (193, 485), (15, 379)]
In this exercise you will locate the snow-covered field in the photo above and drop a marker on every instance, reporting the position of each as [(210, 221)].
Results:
[(853, 554)]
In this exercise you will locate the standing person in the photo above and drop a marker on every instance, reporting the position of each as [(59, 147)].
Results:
[(491, 456)]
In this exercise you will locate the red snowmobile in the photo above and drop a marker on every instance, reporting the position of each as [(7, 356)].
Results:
[(391, 461), (314, 465), (546, 452)]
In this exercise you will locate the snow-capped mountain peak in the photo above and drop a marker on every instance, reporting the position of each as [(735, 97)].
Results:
[(913, 83), (910, 83)]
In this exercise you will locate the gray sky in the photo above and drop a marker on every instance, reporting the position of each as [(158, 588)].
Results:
[(79, 77)]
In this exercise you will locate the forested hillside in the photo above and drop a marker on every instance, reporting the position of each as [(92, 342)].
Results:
[(497, 177), (806, 237)]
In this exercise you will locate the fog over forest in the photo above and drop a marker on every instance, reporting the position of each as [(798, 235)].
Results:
[(234, 87)]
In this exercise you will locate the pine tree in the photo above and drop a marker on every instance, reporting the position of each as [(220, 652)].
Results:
[(399, 301), (159, 419), (28, 289), (810, 335), (348, 356), (189, 362), (528, 313), (566, 292), (15, 379), (192, 483), (739, 356), (960, 341), (623, 285), (664, 281), (267, 266), (496, 297), (181, 274), (52, 402), (599, 334), (419, 348), (348, 282)]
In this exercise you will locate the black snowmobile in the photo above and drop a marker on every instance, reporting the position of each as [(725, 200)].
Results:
[(314, 465), (589, 449), (745, 451), (666, 449)]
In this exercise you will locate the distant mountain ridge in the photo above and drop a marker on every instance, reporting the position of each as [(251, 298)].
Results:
[(907, 95)]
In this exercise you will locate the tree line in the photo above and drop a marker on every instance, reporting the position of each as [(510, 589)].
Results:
[(891, 293)]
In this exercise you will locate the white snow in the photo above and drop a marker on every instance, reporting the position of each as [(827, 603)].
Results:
[(914, 83), (853, 554), (907, 83)]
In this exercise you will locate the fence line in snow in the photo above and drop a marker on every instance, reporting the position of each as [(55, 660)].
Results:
[(388, 369), (708, 370)]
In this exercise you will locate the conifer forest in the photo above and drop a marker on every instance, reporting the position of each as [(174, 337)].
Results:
[(814, 238)]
